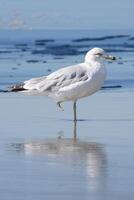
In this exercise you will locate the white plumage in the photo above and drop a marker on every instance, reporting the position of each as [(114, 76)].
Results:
[(73, 82)]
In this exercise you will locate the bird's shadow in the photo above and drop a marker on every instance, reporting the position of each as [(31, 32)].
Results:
[(71, 120), (99, 120)]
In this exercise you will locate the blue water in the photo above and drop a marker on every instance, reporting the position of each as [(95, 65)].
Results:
[(43, 155), (24, 54)]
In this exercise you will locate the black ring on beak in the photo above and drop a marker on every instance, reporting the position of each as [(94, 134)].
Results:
[(110, 57)]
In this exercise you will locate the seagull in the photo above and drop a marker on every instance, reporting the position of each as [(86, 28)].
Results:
[(71, 83)]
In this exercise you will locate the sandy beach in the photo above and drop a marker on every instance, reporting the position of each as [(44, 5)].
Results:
[(41, 159)]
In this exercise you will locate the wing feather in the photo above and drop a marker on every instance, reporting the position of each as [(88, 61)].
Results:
[(31, 84), (58, 79)]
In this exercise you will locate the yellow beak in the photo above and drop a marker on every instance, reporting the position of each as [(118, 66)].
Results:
[(108, 57)]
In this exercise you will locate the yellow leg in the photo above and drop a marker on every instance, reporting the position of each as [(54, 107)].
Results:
[(74, 109)]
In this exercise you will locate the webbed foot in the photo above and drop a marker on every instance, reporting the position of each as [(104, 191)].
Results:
[(59, 105)]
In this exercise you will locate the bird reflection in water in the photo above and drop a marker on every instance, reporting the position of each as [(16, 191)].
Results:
[(87, 155)]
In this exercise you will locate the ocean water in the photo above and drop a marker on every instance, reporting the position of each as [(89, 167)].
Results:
[(25, 54), (43, 154)]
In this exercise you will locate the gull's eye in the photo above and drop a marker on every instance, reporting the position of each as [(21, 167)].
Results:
[(98, 54)]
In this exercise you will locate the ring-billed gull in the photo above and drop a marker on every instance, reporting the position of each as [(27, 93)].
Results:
[(73, 82)]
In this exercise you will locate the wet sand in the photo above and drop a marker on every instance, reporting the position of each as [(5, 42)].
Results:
[(41, 159)]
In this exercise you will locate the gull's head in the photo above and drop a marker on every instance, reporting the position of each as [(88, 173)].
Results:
[(98, 54)]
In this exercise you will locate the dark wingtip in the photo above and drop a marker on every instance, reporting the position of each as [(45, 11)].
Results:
[(17, 88)]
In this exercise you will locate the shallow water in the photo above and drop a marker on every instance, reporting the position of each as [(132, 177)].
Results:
[(27, 54), (42, 158), (44, 155)]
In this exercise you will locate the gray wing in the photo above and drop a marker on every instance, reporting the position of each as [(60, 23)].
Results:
[(32, 83), (58, 79)]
